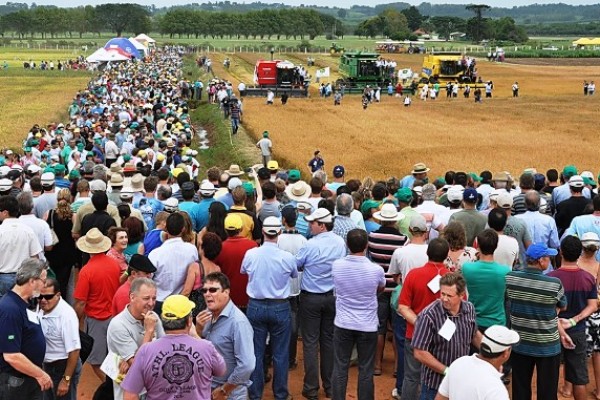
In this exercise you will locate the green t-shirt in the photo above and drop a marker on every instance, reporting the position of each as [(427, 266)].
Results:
[(486, 284)]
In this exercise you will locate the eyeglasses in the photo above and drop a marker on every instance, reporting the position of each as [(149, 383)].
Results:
[(48, 296), (211, 290)]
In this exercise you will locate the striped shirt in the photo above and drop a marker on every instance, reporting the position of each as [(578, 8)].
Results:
[(382, 244), (356, 280), (426, 337), (534, 298)]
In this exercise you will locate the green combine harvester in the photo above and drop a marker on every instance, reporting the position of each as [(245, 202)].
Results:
[(359, 70)]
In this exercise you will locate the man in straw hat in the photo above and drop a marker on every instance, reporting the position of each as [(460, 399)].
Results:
[(186, 364), (317, 303), (419, 172), (97, 284)]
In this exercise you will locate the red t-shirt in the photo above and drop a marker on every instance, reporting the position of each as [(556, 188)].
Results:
[(98, 282), (415, 292), (230, 261), (121, 298)]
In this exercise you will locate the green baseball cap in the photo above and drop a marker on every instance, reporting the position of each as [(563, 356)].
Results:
[(48, 169), (589, 181), (247, 186), (59, 168), (404, 195), (74, 174), (80, 146), (294, 175), (368, 204), (27, 149), (126, 157), (569, 171), (266, 134)]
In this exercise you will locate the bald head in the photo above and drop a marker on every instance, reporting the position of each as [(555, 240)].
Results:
[(532, 200)]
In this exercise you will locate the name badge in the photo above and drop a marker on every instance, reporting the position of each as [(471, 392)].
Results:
[(447, 330), (434, 284)]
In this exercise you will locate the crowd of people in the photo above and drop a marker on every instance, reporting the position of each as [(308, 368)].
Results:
[(171, 283)]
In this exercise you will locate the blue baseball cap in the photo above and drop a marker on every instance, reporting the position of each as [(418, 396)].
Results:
[(539, 250), (470, 195)]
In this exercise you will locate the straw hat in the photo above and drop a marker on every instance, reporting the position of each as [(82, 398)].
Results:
[(234, 170), (419, 168), (299, 191), (94, 242), (388, 213), (137, 183)]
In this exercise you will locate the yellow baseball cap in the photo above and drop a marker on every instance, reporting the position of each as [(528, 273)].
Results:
[(233, 222), (177, 306), (176, 172)]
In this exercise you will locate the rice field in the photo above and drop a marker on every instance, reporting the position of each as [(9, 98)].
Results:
[(550, 125), (30, 97)]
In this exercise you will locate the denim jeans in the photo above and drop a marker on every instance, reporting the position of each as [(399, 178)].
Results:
[(56, 370), (427, 393), (272, 318), (366, 344), (399, 337), (317, 314), (7, 281), (412, 373), (19, 387), (294, 300)]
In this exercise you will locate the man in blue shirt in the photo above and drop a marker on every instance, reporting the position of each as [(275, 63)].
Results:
[(207, 193), (23, 345), (269, 310), (317, 303), (228, 329)]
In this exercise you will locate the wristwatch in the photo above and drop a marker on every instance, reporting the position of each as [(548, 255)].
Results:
[(67, 378)]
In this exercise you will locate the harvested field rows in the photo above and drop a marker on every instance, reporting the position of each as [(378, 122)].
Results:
[(551, 124)]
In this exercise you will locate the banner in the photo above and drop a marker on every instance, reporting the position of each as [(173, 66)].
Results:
[(323, 72)]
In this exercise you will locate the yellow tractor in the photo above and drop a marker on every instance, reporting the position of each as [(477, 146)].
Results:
[(448, 66)]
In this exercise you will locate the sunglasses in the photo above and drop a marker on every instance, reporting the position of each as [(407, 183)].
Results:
[(48, 296), (211, 290)]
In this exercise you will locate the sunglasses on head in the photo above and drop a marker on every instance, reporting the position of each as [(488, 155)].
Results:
[(211, 290), (47, 296)]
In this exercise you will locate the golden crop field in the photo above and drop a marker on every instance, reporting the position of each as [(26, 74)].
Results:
[(30, 97), (550, 125)]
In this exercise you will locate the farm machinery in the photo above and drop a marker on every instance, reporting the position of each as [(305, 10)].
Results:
[(400, 47), (449, 66), (280, 76), (336, 49), (361, 69)]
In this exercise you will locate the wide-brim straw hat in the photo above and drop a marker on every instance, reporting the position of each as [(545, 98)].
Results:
[(388, 212), (94, 242), (234, 170), (299, 191), (419, 168)]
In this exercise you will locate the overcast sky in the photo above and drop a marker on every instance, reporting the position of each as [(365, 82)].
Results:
[(338, 3)]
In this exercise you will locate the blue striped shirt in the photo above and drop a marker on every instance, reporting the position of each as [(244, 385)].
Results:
[(534, 298)]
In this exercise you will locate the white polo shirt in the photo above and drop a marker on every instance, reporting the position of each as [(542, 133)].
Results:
[(17, 243), (61, 329), (471, 378), (171, 260)]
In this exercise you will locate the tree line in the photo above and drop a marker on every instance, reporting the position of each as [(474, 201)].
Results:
[(303, 23), (400, 25)]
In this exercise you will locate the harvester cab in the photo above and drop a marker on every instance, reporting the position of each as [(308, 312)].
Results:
[(280, 76), (359, 70)]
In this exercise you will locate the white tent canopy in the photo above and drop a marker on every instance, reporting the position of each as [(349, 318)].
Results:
[(143, 38), (104, 55), (139, 46)]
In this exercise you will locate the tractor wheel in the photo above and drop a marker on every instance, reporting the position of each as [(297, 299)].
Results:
[(411, 50), (341, 51), (332, 51)]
